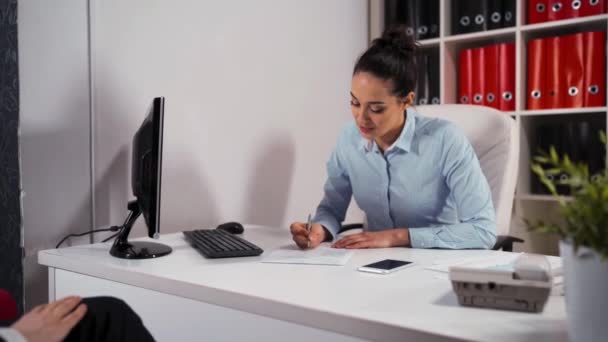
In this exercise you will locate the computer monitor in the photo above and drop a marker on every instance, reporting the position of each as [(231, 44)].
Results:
[(146, 172)]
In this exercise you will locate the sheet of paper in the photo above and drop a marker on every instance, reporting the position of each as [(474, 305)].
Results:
[(319, 256)]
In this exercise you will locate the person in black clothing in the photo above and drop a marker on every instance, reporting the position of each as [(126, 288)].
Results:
[(95, 319)]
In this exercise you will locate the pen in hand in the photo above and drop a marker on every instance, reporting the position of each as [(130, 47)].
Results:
[(308, 227)]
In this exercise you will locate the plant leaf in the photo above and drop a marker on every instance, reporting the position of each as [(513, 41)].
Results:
[(541, 159), (553, 154)]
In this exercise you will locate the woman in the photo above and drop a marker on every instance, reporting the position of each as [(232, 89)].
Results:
[(417, 179)]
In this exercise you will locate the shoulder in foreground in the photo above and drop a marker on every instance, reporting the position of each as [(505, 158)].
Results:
[(439, 128)]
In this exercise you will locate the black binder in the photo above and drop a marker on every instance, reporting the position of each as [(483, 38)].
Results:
[(422, 16), (400, 12), (408, 8), (547, 135), (427, 19), (391, 13), (584, 144), (422, 86), (480, 15), (508, 13), (469, 16), (570, 145), (579, 139), (433, 69), (461, 18), (599, 153), (433, 18), (593, 151), (495, 14)]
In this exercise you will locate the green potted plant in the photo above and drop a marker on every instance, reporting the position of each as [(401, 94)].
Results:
[(583, 241)]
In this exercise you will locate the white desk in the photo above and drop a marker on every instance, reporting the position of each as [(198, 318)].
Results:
[(185, 297)]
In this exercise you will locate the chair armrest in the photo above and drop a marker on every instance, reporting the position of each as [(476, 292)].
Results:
[(505, 242), (350, 226)]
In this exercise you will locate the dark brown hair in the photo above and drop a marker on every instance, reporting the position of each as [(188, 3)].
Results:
[(392, 57)]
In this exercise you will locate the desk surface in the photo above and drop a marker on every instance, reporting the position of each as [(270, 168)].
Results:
[(335, 298)]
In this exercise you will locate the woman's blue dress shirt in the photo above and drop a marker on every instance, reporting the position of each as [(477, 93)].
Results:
[(428, 181)]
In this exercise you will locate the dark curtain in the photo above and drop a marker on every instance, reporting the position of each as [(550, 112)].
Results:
[(11, 267)]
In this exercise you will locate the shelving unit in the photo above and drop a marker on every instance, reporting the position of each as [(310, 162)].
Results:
[(545, 198), (527, 206), (562, 111), (430, 42)]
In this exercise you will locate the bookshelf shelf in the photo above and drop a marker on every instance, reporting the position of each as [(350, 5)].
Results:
[(480, 36), (599, 20), (430, 42), (526, 205), (564, 111), (543, 198)]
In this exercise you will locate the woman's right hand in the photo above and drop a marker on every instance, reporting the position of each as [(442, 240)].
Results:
[(303, 238)]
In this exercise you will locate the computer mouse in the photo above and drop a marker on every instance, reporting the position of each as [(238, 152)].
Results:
[(231, 227)]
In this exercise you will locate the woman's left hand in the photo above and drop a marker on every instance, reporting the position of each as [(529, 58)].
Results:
[(383, 239)]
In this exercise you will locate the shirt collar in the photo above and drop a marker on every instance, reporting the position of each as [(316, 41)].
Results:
[(403, 142)]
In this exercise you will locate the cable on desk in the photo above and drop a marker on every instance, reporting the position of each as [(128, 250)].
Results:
[(111, 229)]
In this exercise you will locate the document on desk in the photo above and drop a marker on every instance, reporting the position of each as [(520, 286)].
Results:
[(322, 255)]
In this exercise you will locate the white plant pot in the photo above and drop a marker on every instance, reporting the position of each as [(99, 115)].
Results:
[(586, 291)]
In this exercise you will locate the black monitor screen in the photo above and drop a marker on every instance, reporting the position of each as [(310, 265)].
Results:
[(147, 165)]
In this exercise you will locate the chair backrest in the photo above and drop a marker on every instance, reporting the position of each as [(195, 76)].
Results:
[(494, 137)]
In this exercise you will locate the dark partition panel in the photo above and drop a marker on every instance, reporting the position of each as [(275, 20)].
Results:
[(11, 268)]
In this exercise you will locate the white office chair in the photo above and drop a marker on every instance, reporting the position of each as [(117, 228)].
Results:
[(493, 135)]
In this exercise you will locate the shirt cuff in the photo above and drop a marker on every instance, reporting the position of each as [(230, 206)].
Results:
[(329, 225), (423, 238), (11, 335)]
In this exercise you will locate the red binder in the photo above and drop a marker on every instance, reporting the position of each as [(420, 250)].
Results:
[(594, 84), (574, 8), (465, 74), (593, 7), (537, 11), (573, 69), (536, 74), (554, 90), (506, 77), (557, 9), (491, 71), (479, 84)]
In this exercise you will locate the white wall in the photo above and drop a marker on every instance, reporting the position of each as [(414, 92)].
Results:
[(256, 94), (54, 122)]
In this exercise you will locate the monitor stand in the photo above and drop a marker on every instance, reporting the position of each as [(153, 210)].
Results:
[(124, 249)]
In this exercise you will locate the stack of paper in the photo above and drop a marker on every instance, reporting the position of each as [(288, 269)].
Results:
[(322, 255)]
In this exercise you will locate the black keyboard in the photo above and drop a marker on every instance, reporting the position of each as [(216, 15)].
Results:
[(216, 243)]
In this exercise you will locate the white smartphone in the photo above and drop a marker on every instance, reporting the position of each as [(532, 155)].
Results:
[(385, 266)]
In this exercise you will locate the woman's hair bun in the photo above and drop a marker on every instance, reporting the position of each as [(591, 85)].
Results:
[(392, 57), (396, 38)]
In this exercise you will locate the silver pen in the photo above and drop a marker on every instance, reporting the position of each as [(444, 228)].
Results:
[(308, 227)]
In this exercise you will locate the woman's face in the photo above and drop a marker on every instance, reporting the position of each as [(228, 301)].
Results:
[(376, 111)]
